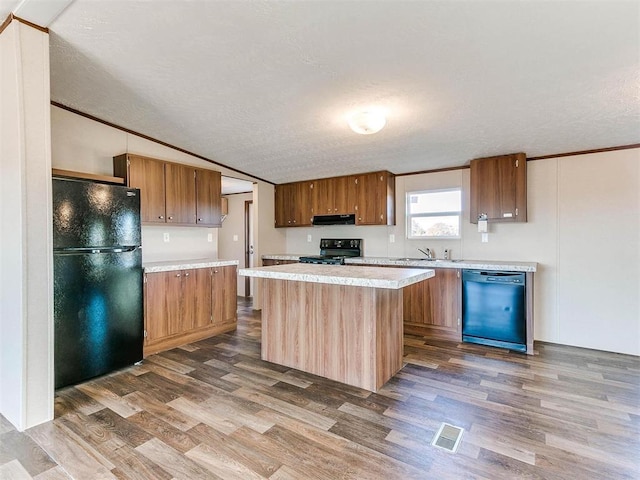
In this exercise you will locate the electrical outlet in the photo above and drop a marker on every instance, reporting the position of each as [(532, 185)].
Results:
[(165, 236), (309, 238), (485, 238), (392, 238), (209, 237), (235, 238)]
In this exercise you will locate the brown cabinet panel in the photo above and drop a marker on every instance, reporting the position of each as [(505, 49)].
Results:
[(499, 188), (375, 193), (147, 175), (171, 192), (283, 204), (293, 204), (230, 295), (202, 314), (301, 204), (345, 195), (322, 198), (225, 293), (432, 307), (208, 200), (181, 194), (370, 196), (163, 299), (188, 305)]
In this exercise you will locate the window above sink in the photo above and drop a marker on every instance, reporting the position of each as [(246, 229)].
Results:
[(434, 214)]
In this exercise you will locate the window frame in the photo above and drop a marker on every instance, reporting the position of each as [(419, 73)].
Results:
[(454, 213)]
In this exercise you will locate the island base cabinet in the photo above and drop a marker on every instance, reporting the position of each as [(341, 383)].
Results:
[(185, 306), (432, 307), (344, 333)]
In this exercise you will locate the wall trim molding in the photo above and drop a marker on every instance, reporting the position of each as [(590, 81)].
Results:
[(532, 159), (147, 137), (585, 152), (11, 17)]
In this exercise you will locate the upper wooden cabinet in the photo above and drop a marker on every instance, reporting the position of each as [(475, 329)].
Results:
[(375, 204), (146, 174), (499, 188), (293, 204), (370, 196), (171, 192), (208, 201), (333, 196), (180, 195)]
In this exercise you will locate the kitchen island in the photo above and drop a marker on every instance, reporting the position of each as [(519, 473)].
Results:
[(336, 321)]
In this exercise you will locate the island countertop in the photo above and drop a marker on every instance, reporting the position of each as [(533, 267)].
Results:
[(172, 265), (374, 277)]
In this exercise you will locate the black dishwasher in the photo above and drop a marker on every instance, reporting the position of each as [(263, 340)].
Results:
[(494, 309)]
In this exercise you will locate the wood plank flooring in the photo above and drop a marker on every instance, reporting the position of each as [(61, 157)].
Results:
[(213, 409)]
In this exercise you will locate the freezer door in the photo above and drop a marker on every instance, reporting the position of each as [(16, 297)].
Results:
[(98, 314), (93, 215)]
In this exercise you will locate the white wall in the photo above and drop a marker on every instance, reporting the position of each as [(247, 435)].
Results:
[(26, 323), (234, 225), (583, 230)]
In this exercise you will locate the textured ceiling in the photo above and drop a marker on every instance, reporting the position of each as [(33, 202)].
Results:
[(264, 87)]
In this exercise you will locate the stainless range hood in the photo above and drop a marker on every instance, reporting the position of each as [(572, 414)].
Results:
[(349, 219)]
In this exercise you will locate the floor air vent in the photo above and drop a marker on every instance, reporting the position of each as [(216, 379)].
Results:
[(448, 437)]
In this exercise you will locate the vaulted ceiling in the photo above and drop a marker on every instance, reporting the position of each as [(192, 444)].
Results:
[(265, 86)]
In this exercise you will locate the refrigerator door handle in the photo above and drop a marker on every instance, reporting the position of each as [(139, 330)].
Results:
[(82, 251)]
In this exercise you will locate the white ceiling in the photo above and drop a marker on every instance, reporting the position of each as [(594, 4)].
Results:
[(264, 87)]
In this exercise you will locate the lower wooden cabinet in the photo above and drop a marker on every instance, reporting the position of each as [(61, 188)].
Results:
[(185, 306), (433, 307)]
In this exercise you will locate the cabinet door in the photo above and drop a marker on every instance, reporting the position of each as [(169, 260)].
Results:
[(225, 295), (375, 193), (208, 199), (432, 307), (202, 313), (148, 175), (163, 309), (498, 188), (301, 198), (230, 294), (344, 195), (283, 205), (322, 197), (181, 194), (369, 199)]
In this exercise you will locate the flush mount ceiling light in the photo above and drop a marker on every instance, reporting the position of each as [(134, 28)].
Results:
[(367, 122)]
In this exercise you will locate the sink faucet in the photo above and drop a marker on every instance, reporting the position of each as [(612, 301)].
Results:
[(428, 252)]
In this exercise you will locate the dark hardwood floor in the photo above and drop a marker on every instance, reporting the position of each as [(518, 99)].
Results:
[(213, 409)]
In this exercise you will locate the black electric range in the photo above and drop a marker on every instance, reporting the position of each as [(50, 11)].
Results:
[(333, 251)]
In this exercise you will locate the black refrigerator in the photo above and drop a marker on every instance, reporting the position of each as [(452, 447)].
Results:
[(97, 267)]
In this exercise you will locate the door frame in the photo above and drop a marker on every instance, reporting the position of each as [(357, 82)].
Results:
[(247, 246)]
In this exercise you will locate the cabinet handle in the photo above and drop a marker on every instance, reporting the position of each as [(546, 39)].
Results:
[(177, 274), (215, 271), (161, 217), (335, 209), (170, 218), (186, 274), (199, 219)]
